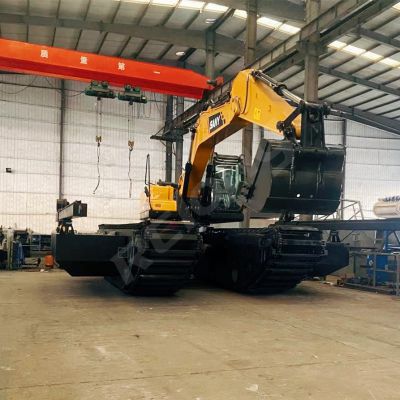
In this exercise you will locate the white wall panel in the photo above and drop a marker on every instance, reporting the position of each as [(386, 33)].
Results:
[(111, 202), (29, 129), (372, 165)]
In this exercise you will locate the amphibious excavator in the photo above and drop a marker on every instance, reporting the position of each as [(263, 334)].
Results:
[(177, 236)]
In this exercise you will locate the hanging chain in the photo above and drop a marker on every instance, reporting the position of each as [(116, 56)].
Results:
[(99, 125), (131, 141)]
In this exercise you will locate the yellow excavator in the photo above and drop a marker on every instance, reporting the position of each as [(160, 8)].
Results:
[(297, 174)]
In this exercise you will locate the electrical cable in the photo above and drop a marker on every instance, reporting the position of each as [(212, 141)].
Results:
[(59, 90), (21, 90)]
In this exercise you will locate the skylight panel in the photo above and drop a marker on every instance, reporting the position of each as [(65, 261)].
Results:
[(290, 29), (371, 56), (353, 50), (215, 8), (135, 1), (192, 4), (397, 6), (390, 62), (269, 22), (240, 14), (336, 44), (167, 3)]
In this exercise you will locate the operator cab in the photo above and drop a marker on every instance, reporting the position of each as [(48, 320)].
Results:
[(220, 188)]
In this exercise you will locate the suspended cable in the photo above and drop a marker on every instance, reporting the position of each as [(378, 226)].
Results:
[(61, 91), (99, 124), (21, 90), (131, 141)]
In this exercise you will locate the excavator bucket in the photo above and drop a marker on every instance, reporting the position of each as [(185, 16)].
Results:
[(288, 177)]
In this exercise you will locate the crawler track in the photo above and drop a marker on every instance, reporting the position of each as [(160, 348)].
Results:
[(159, 259), (269, 260)]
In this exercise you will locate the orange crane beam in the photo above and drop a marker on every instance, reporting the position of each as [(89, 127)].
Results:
[(75, 65)]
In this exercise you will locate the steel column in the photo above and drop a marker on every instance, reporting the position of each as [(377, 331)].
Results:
[(250, 52), (344, 142), (311, 62), (168, 144), (210, 54), (311, 57), (61, 148), (180, 105)]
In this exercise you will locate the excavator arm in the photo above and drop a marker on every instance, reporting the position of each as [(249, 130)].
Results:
[(252, 100), (298, 174)]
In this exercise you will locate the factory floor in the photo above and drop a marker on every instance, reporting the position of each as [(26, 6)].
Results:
[(80, 338)]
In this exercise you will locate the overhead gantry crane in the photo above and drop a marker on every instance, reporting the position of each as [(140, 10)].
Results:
[(61, 63)]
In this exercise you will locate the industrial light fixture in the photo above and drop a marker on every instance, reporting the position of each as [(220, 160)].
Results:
[(210, 20), (397, 6), (180, 53)]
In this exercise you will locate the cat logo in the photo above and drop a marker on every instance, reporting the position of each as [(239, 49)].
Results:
[(215, 121)]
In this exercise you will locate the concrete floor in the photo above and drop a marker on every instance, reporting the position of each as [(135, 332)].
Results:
[(71, 338)]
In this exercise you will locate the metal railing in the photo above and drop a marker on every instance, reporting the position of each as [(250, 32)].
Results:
[(354, 206)]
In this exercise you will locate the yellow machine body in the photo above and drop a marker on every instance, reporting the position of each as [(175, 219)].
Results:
[(162, 198), (299, 174), (251, 101)]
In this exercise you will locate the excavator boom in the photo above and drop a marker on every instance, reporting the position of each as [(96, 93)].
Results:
[(296, 175)]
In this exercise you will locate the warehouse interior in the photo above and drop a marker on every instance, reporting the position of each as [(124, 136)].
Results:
[(198, 198)]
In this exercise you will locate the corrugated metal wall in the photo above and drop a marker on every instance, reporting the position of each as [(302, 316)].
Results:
[(372, 165), (30, 134), (111, 202)]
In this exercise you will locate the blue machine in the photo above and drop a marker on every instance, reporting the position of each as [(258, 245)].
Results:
[(386, 264)]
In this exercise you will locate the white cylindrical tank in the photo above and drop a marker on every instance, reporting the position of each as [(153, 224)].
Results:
[(388, 207)]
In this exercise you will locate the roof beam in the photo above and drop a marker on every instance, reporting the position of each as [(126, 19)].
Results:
[(193, 38), (378, 37), (367, 118), (282, 9), (334, 22), (359, 81)]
